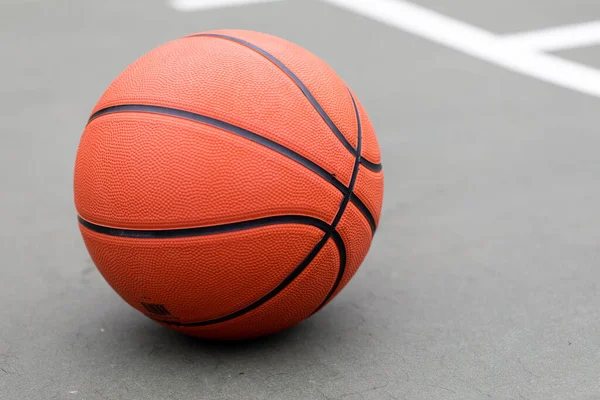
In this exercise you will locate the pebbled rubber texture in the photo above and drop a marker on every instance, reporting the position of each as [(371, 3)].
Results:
[(167, 271), (232, 83), (165, 173), (221, 185), (296, 302)]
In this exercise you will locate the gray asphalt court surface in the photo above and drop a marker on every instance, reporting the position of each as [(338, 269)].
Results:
[(482, 280)]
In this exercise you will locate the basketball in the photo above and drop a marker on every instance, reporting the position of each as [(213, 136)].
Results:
[(228, 184)]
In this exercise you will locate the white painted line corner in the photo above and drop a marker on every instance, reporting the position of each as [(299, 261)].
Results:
[(477, 43)]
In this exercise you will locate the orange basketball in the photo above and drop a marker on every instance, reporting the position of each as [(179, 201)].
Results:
[(228, 184)]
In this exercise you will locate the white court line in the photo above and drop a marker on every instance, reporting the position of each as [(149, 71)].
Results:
[(194, 5), (558, 38), (457, 35), (477, 43)]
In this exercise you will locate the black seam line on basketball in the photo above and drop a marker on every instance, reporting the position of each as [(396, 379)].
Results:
[(294, 78), (297, 271), (365, 211), (303, 88), (371, 166), (344, 204), (348, 195), (256, 138), (331, 232), (342, 269), (237, 226), (309, 258), (173, 112), (206, 230)]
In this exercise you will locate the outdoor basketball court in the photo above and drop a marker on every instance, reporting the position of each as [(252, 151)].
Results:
[(483, 277)]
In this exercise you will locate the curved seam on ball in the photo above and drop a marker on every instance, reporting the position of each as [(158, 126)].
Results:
[(254, 137), (313, 101), (305, 263), (343, 207), (244, 225), (205, 230)]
